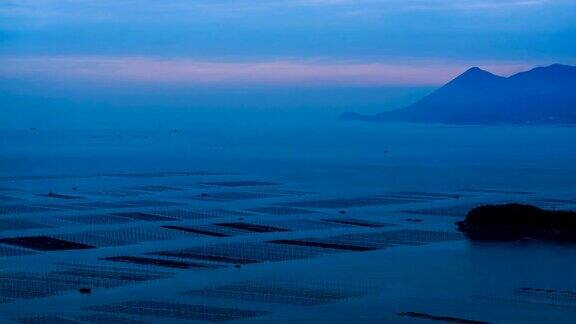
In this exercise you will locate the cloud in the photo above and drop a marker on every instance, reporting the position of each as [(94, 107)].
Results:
[(276, 72), (129, 9), (471, 4), (424, 3)]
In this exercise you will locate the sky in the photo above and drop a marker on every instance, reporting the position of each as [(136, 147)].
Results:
[(282, 42), (74, 49)]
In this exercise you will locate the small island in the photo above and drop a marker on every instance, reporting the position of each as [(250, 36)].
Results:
[(510, 222)]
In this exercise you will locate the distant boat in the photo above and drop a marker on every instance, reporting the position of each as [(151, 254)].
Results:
[(543, 95)]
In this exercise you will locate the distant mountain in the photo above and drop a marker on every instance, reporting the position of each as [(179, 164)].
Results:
[(544, 95)]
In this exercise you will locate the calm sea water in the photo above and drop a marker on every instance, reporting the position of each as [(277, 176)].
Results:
[(311, 148)]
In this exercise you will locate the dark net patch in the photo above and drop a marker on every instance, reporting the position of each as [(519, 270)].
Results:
[(108, 319), (355, 222), (159, 262), (197, 230), (240, 183), (178, 311), (147, 217), (277, 210), (445, 319), (47, 320), (45, 243), (256, 228), (324, 245)]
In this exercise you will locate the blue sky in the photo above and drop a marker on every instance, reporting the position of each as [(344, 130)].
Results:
[(188, 43)]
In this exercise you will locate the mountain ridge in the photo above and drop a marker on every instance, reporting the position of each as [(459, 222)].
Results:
[(542, 95)]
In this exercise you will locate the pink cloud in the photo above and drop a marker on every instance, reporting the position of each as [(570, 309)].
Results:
[(186, 71)]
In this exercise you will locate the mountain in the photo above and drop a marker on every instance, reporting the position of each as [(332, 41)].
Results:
[(543, 95)]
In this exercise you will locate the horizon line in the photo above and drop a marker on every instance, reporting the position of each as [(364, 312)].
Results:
[(279, 71)]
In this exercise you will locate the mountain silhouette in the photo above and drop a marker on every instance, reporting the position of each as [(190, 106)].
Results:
[(543, 95)]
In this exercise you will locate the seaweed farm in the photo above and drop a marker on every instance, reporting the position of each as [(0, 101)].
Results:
[(159, 229), (194, 246)]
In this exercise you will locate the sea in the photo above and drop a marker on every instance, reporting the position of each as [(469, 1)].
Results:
[(271, 216)]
